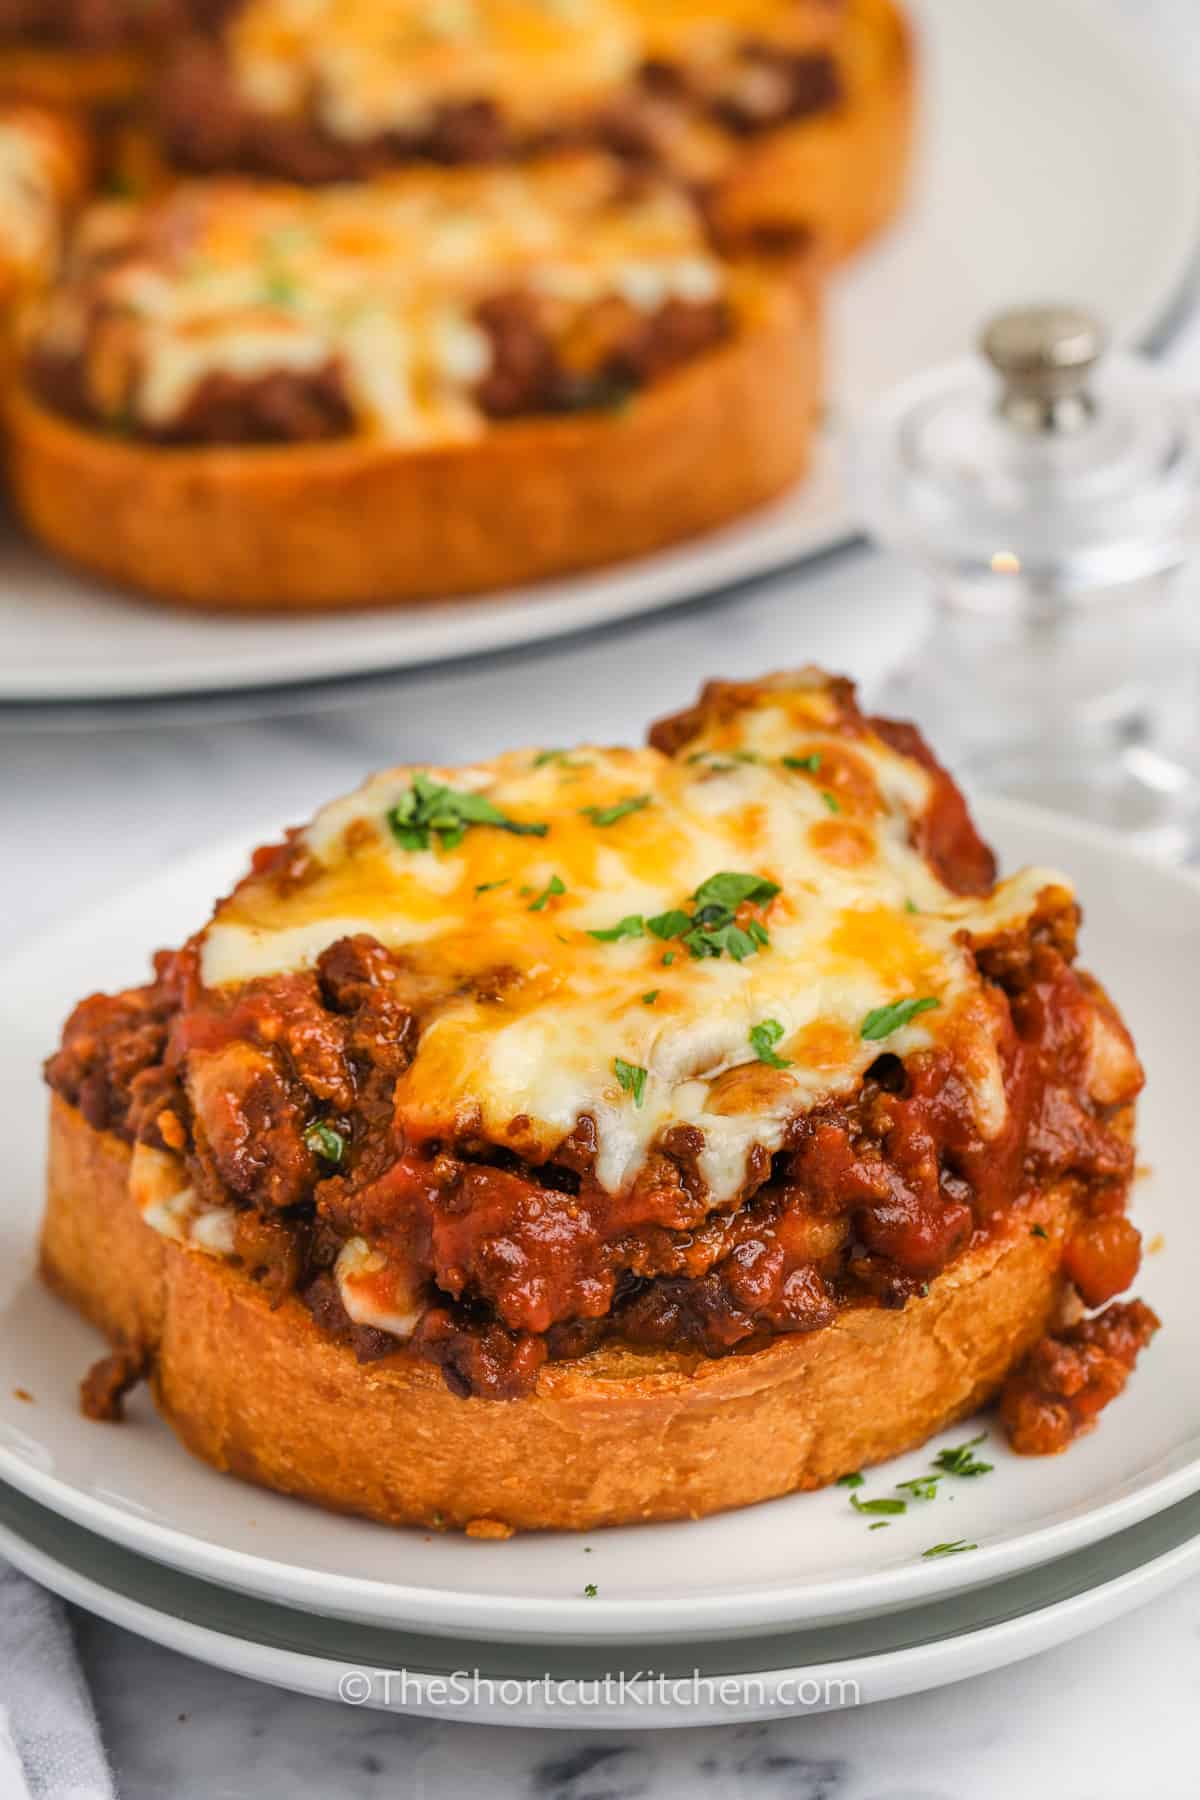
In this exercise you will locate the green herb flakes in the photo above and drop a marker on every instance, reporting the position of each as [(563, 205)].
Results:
[(325, 1142), (603, 816), (921, 1487), (631, 1077), (885, 1019), (554, 886), (763, 1039), (954, 1549), (430, 810), (631, 926), (890, 1507), (961, 1460)]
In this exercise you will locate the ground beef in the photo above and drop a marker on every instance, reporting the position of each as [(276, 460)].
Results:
[(623, 350), (103, 1389), (1059, 1390), (110, 1062), (524, 372), (287, 406), (769, 86)]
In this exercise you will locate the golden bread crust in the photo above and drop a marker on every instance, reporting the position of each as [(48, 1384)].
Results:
[(843, 174), (350, 523), (617, 1437)]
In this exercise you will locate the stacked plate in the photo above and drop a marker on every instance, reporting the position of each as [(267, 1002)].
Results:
[(818, 1600)]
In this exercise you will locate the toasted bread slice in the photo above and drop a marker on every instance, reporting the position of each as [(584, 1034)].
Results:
[(617, 1437), (354, 522)]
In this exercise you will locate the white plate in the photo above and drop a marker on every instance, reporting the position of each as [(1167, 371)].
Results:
[(800, 1560), (576, 1688), (1055, 164)]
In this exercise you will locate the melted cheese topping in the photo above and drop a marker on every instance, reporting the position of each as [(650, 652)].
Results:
[(528, 1020), (159, 1188), (373, 67), (379, 282)]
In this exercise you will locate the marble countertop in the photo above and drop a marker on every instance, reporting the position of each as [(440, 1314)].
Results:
[(1110, 1715)]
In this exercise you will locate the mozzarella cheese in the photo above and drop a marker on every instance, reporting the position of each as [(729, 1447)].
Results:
[(159, 1188), (373, 67), (369, 68), (530, 1021), (380, 282)]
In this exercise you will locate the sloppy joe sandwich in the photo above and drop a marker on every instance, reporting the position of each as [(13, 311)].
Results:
[(602, 1135), (263, 395)]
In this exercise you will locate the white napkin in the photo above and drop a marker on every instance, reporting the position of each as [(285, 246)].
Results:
[(50, 1745)]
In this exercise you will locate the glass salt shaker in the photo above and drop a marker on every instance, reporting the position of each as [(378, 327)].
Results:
[(1053, 494)]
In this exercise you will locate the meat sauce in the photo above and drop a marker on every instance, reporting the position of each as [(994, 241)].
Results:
[(209, 125), (870, 1197)]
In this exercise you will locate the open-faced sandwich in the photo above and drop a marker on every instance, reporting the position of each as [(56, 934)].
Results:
[(781, 112), (267, 395), (607, 1135)]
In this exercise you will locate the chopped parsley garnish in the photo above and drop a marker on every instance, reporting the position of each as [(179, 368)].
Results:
[(650, 998), (891, 1507), (831, 801), (591, 1590), (621, 809), (555, 885), (668, 959), (763, 1038), (325, 1142), (953, 1549), (562, 757), (910, 906), (712, 929), (810, 764), (486, 887), (961, 1461), (631, 1077), (854, 1479), (631, 926), (279, 288), (883, 1020), (428, 809), (668, 924), (879, 1525), (729, 889), (921, 1487), (714, 758), (1039, 1231)]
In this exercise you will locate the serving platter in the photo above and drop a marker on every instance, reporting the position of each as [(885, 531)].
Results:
[(805, 1560), (575, 1687), (1054, 163)]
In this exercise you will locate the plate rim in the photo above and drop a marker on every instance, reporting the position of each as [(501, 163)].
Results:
[(766, 1608), (1161, 314), (932, 1659)]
